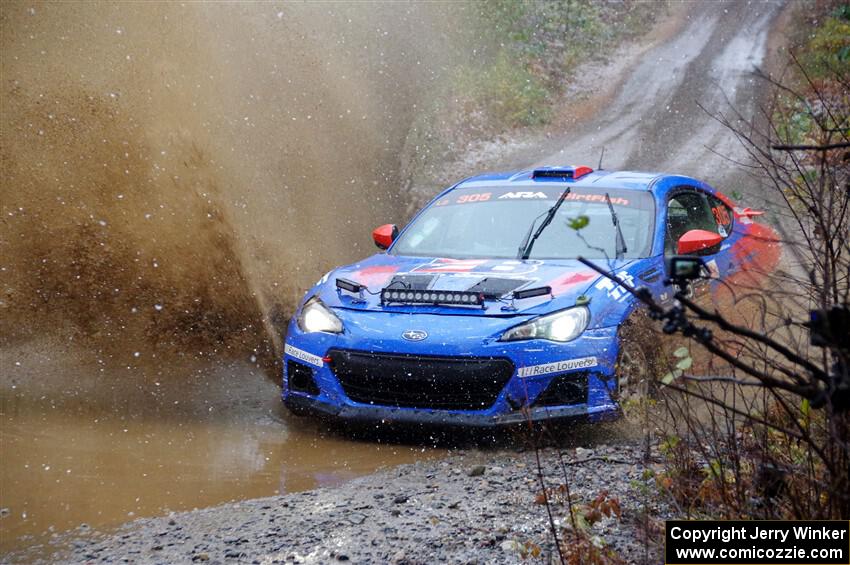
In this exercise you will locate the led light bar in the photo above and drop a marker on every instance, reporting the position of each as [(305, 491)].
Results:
[(532, 292), (349, 285), (446, 297)]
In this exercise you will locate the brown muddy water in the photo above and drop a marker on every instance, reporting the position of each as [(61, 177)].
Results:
[(173, 176), (82, 451)]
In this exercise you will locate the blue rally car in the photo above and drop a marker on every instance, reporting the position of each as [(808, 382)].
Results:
[(478, 312)]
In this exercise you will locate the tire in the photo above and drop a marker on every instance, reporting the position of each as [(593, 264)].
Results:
[(639, 359)]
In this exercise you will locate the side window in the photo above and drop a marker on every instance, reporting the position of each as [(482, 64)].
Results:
[(722, 215), (687, 210)]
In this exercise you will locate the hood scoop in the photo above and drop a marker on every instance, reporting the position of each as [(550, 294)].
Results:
[(494, 287)]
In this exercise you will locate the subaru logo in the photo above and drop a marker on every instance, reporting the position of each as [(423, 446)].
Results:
[(414, 335)]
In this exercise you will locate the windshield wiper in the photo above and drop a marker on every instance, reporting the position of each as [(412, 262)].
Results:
[(528, 242), (621, 241)]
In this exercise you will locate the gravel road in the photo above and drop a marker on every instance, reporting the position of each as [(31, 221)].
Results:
[(471, 508)]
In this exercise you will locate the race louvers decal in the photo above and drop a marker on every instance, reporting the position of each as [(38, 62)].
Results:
[(303, 355), (557, 367)]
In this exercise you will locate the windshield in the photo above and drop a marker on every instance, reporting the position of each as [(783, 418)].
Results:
[(492, 222)]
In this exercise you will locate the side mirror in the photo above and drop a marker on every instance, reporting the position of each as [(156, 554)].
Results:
[(698, 242), (383, 236)]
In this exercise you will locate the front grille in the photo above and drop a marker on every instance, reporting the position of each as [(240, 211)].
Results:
[(300, 378), (413, 381), (569, 388)]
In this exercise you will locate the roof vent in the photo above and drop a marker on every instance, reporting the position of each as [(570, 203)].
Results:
[(563, 173)]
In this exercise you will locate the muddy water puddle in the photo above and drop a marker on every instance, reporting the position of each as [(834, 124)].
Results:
[(75, 455)]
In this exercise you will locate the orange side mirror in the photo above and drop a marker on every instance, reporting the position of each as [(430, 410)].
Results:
[(695, 241), (384, 235)]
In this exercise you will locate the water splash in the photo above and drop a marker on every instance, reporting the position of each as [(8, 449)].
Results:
[(179, 175)]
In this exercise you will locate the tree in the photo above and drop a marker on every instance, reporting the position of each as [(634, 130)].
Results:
[(769, 437)]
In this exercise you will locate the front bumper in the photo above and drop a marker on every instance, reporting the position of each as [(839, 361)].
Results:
[(523, 394), (370, 414)]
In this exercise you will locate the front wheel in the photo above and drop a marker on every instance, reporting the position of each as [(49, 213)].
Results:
[(638, 359)]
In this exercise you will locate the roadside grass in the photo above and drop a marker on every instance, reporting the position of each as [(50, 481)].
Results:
[(536, 45), (828, 50), (824, 58), (504, 93)]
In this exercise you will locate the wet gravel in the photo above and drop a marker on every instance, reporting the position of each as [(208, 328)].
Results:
[(474, 507)]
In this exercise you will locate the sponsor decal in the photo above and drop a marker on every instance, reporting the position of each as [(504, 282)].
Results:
[(557, 367), (477, 266), (303, 355), (493, 194), (513, 195), (615, 291), (615, 200), (414, 335)]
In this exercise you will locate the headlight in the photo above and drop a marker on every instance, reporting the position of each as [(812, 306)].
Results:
[(316, 317), (565, 325)]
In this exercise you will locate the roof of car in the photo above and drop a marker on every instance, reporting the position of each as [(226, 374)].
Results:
[(632, 180)]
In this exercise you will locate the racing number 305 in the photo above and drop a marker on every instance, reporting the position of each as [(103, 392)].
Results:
[(721, 215), (466, 199), (477, 197)]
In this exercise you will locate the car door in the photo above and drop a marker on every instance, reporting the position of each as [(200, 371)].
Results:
[(689, 208)]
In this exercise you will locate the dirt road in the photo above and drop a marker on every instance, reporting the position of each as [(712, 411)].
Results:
[(650, 119)]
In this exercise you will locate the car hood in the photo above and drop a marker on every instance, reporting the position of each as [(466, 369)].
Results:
[(496, 278)]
